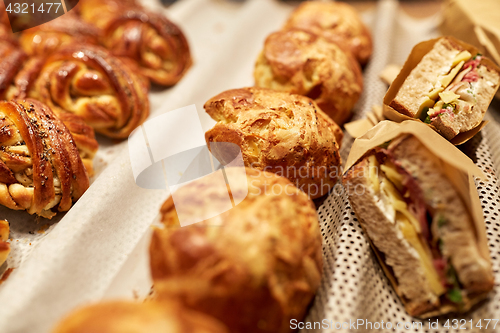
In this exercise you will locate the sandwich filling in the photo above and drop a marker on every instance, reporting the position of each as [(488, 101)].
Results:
[(400, 198), (455, 91)]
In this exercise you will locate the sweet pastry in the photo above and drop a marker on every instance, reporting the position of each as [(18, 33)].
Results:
[(279, 132), (156, 44), (420, 227), (303, 63), (5, 30), (337, 22), (130, 317), (4, 237), (12, 59), (450, 88), (88, 81), (17, 81), (255, 267), (40, 167), (46, 38)]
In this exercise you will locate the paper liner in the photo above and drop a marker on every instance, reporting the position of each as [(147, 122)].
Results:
[(416, 55)]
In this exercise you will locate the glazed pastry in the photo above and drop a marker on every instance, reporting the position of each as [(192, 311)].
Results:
[(12, 59), (279, 132), (337, 22), (128, 317), (4, 237), (46, 38), (40, 168), (88, 81), (303, 63), (156, 44), (255, 267), (5, 30), (19, 75)]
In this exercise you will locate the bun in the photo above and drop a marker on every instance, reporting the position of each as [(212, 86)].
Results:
[(4, 237), (149, 317), (88, 81), (257, 268), (157, 45), (303, 63), (17, 81), (337, 22), (427, 245), (48, 37), (281, 133), (40, 167)]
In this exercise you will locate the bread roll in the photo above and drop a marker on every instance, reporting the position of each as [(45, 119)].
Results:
[(157, 45), (130, 317), (281, 133), (337, 22), (303, 63), (88, 81), (40, 167), (257, 269)]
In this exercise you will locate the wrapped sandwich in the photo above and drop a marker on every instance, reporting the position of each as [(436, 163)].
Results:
[(414, 196), (447, 84)]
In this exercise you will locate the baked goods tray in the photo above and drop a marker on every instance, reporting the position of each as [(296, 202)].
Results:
[(99, 248)]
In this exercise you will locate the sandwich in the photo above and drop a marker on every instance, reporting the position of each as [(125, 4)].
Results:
[(420, 227), (450, 88)]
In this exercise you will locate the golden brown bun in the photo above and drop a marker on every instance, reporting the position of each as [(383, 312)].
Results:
[(47, 38), (303, 63), (19, 74), (6, 33), (4, 236), (281, 133), (40, 167), (88, 81), (130, 317), (337, 22), (257, 269), (156, 44), (12, 60)]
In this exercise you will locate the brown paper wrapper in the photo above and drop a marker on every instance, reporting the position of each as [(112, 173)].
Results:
[(475, 22), (459, 169), (416, 55), (359, 127)]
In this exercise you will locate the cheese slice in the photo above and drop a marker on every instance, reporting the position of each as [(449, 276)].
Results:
[(448, 96), (394, 176), (426, 103), (446, 80), (398, 203), (434, 94), (423, 252), (462, 56), (372, 173)]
